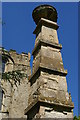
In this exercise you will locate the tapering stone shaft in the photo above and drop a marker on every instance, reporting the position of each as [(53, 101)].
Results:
[(48, 97)]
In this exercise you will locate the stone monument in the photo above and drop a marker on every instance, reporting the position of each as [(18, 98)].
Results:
[(48, 97)]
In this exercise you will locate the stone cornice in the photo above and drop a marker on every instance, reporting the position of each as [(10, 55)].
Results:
[(45, 22), (48, 101), (44, 68), (45, 43)]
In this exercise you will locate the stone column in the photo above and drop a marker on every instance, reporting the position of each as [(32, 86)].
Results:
[(48, 96)]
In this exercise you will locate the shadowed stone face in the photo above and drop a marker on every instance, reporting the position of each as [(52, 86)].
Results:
[(44, 11)]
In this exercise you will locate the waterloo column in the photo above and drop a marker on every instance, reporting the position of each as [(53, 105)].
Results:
[(48, 96)]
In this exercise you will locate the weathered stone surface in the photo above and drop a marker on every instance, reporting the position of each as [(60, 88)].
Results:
[(34, 110), (49, 34), (48, 112), (36, 61), (44, 93), (55, 114), (54, 81), (46, 31), (15, 85), (53, 63), (6, 87), (50, 87), (19, 99), (48, 79), (44, 11), (4, 115), (15, 97), (18, 62), (50, 57)]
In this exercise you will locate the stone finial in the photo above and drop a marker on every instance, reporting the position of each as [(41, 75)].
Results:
[(44, 11)]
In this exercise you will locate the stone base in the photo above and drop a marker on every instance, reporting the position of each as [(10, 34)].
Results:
[(40, 109)]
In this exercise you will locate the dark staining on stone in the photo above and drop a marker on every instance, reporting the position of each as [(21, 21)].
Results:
[(44, 11)]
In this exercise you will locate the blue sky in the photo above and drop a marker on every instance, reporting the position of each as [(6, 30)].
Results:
[(17, 34)]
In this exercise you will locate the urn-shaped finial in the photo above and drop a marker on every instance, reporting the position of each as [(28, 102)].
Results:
[(44, 11)]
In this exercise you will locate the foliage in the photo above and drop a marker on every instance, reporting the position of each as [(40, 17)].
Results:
[(13, 75), (76, 118)]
